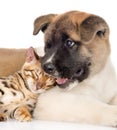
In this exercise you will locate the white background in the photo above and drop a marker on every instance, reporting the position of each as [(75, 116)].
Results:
[(17, 16)]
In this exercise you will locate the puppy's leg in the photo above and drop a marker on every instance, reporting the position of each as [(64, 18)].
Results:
[(77, 108), (113, 100)]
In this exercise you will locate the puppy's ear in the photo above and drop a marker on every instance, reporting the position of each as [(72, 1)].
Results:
[(42, 22), (92, 26)]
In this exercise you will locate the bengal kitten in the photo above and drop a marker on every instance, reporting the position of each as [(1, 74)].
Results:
[(19, 92)]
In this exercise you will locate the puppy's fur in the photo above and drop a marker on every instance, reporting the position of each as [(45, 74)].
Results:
[(77, 49)]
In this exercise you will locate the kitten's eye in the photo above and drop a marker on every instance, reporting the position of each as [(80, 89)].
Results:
[(69, 43), (28, 72)]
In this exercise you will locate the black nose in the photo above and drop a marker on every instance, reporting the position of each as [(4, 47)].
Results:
[(49, 68)]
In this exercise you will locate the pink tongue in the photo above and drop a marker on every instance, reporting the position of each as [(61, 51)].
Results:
[(61, 80)]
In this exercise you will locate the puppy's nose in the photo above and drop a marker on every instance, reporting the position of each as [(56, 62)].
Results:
[(49, 68)]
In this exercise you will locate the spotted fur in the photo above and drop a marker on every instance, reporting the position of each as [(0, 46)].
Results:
[(19, 92)]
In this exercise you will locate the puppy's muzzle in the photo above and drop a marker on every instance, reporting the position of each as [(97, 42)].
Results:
[(49, 68)]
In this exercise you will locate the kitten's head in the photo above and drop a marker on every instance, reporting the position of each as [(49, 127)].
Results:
[(36, 79)]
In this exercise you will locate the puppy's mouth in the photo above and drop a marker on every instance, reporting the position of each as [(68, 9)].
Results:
[(64, 82), (65, 76)]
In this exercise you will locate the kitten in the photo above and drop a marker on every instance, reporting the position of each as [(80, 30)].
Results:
[(19, 92)]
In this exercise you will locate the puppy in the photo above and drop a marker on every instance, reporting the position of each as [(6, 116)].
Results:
[(77, 53)]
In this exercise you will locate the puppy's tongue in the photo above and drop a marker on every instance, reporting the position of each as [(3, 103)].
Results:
[(61, 80)]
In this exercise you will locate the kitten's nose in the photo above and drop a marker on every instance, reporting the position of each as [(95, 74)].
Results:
[(49, 68)]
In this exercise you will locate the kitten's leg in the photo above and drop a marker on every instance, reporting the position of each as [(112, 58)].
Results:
[(3, 117), (22, 114)]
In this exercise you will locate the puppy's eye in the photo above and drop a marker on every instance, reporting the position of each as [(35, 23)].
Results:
[(48, 45), (69, 43)]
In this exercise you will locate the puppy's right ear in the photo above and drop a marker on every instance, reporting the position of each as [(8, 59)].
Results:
[(42, 22)]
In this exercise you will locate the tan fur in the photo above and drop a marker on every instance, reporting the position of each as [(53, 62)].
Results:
[(11, 60)]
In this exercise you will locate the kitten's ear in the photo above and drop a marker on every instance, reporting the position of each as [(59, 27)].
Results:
[(31, 56)]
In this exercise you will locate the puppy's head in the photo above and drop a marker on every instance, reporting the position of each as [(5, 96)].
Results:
[(76, 45)]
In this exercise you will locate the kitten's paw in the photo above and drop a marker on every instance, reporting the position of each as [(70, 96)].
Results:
[(3, 117), (22, 114)]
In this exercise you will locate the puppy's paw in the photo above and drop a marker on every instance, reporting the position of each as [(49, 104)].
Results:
[(22, 114), (109, 117), (3, 117)]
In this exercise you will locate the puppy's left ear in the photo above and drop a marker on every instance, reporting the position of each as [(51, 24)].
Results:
[(42, 22), (93, 26)]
